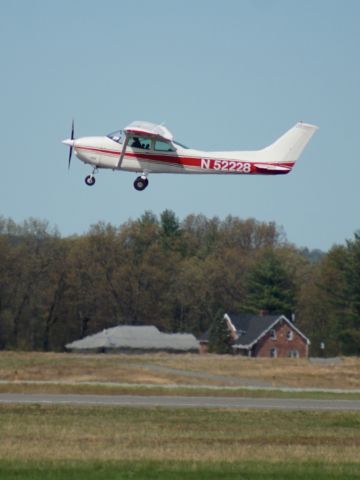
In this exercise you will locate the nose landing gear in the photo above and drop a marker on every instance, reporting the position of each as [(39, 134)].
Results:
[(141, 183), (90, 179)]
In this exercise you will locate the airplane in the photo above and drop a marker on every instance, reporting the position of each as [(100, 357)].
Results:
[(147, 148)]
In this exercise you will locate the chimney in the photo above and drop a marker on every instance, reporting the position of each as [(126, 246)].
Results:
[(263, 312)]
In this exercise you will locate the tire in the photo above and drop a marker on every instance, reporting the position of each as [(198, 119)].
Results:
[(141, 183), (90, 180)]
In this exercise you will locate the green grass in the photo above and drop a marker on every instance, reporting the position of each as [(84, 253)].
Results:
[(43, 442), (105, 434), (178, 471)]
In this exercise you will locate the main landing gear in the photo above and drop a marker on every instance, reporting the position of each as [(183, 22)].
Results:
[(141, 183)]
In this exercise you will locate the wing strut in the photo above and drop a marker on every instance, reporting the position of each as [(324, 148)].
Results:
[(123, 151)]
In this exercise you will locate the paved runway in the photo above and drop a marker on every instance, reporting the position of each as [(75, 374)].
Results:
[(182, 401)]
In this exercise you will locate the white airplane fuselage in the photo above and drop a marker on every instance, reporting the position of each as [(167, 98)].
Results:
[(167, 156), (103, 152)]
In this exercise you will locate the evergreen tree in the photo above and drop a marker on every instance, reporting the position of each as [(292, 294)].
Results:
[(169, 230), (270, 287), (350, 332), (220, 339), (170, 225)]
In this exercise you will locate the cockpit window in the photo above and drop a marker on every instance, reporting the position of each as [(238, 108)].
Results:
[(162, 146), (145, 142), (140, 142), (117, 136)]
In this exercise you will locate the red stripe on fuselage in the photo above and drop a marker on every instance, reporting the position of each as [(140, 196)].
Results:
[(165, 158), (181, 160)]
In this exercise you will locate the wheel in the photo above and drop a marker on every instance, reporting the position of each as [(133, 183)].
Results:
[(90, 180), (141, 183)]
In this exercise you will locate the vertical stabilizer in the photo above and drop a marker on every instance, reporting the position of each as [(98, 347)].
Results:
[(288, 148)]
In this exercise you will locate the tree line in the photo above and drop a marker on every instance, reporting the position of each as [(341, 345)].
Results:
[(177, 275)]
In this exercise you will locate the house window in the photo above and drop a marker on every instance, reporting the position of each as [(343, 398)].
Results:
[(289, 334), (273, 333), (273, 352), (293, 354)]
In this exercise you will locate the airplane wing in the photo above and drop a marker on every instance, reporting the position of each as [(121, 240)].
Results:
[(147, 129), (144, 129)]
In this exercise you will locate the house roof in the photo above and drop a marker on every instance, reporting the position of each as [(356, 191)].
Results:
[(250, 328), (135, 337)]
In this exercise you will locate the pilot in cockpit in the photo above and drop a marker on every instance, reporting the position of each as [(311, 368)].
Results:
[(136, 143)]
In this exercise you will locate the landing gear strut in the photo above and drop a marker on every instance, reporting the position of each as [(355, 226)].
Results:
[(141, 183)]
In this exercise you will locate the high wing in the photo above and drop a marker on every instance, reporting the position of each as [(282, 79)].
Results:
[(145, 129), (148, 129)]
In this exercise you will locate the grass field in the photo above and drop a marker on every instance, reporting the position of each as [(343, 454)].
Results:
[(177, 471), (61, 442), (164, 369), (46, 442)]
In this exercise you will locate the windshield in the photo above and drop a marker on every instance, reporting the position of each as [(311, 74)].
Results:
[(117, 136)]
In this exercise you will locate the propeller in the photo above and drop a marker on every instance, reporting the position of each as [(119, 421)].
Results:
[(70, 142)]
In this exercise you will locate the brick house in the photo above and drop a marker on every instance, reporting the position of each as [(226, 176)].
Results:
[(263, 336)]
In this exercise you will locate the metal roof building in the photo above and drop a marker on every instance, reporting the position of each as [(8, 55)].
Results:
[(125, 338)]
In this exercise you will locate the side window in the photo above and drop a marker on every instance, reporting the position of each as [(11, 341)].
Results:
[(273, 352), (293, 354), (141, 142), (162, 146)]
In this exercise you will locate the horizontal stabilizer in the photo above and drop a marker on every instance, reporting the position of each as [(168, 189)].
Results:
[(272, 168)]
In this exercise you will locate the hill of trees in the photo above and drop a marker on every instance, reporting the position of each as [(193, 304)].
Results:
[(174, 274)]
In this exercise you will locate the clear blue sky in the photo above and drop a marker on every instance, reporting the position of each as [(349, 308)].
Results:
[(221, 75)]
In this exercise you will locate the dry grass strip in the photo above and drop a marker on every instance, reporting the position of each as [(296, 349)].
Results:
[(190, 369)]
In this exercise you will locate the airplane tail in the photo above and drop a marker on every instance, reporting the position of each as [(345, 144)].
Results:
[(288, 148)]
